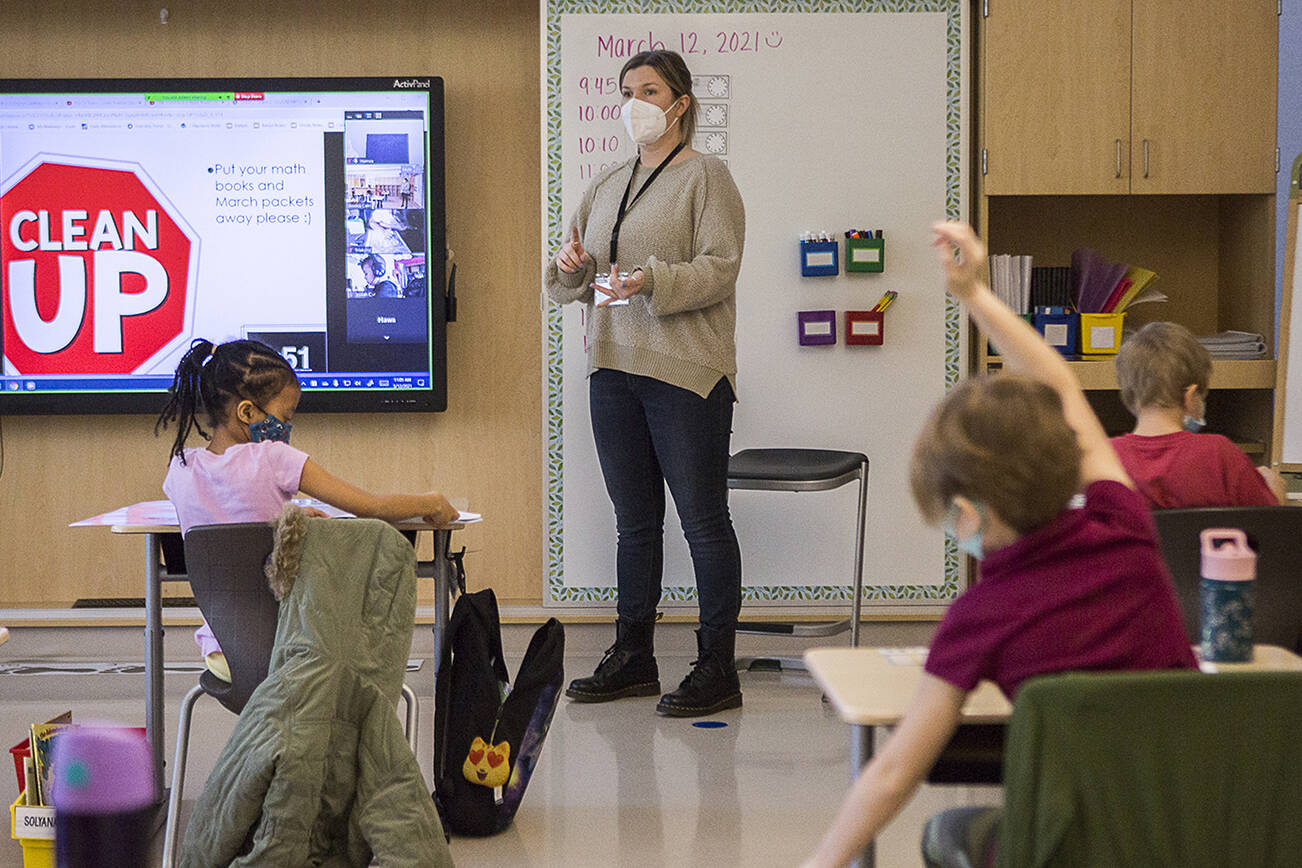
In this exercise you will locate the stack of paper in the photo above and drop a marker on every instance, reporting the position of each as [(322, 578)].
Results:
[(1010, 280), (1235, 345)]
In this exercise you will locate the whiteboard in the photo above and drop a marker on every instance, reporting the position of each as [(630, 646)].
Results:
[(828, 120), (1287, 442)]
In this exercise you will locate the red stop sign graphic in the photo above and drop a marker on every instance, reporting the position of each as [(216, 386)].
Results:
[(96, 271)]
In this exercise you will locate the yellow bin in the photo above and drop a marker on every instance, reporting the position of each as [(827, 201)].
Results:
[(37, 827), (1100, 333)]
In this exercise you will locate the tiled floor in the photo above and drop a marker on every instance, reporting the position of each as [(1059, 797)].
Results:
[(616, 784)]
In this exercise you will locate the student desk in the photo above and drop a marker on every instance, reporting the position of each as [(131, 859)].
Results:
[(872, 687), (156, 520)]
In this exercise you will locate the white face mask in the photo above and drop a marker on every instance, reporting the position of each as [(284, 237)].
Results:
[(644, 121)]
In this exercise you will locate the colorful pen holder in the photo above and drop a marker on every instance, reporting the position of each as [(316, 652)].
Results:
[(865, 328), (818, 259), (865, 255), (816, 328)]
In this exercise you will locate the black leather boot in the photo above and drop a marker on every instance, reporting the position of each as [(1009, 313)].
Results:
[(628, 668), (712, 685)]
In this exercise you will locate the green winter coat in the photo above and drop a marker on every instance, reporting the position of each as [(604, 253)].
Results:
[(1159, 769), (317, 771)]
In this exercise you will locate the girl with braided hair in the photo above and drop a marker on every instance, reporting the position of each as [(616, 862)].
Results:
[(246, 394)]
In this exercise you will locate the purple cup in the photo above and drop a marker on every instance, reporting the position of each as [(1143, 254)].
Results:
[(102, 790)]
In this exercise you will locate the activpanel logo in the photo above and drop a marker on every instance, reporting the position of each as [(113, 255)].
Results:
[(411, 83)]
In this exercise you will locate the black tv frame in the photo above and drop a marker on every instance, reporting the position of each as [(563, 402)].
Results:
[(432, 399)]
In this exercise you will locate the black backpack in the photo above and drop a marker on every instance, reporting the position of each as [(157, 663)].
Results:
[(487, 736)]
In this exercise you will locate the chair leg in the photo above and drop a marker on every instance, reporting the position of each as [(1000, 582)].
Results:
[(178, 775), (412, 715), (857, 602)]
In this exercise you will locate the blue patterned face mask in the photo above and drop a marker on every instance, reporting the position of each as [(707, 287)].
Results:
[(1194, 424), (971, 545), (269, 428)]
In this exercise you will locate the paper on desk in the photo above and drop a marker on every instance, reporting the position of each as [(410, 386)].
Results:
[(149, 512), (335, 512), (909, 656)]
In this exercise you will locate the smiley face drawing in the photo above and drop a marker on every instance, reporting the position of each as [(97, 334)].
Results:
[(488, 766)]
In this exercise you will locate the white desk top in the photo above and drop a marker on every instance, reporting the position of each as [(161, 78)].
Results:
[(159, 516), (874, 686)]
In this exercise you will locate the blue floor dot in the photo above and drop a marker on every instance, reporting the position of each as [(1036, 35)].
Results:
[(709, 724)]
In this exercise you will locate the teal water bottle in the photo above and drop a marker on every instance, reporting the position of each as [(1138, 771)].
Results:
[(1227, 595)]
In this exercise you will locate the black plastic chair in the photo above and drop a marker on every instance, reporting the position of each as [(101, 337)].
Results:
[(1275, 532), (805, 470), (225, 563)]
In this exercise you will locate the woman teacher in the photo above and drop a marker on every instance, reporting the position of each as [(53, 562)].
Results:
[(654, 252)]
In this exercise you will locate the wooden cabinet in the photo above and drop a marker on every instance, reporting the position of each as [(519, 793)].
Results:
[(1128, 96), (1146, 130)]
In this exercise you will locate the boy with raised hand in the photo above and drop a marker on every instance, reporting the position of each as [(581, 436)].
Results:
[(1061, 589)]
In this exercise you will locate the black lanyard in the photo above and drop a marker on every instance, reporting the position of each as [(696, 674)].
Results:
[(624, 204)]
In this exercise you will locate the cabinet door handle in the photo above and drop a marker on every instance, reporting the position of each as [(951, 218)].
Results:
[(1118, 158), (1145, 158)]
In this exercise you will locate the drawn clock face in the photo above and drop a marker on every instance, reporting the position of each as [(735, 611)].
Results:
[(716, 143), (715, 115), (717, 85)]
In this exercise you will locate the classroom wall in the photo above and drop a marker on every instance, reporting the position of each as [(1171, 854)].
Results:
[(487, 447)]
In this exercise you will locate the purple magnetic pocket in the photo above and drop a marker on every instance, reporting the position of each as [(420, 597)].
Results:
[(817, 328)]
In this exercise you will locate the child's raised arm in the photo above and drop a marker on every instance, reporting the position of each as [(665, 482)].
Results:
[(1023, 350), (432, 507)]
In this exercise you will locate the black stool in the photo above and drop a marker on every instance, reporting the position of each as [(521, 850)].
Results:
[(805, 470)]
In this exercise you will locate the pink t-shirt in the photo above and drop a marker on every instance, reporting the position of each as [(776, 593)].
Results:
[(1088, 591), (1184, 469), (247, 482)]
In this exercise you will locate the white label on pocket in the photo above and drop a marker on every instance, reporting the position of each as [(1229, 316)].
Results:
[(821, 327), (865, 254), (1055, 334), (870, 327), (820, 259), (1103, 337)]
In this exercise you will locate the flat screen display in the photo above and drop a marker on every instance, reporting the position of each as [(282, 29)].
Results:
[(137, 215)]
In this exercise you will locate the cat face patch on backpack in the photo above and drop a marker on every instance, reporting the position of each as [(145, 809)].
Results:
[(486, 765)]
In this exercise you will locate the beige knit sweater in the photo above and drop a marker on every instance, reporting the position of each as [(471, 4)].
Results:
[(686, 233)]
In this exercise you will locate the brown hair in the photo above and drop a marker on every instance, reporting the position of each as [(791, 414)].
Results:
[(1158, 363), (1002, 441), (670, 66)]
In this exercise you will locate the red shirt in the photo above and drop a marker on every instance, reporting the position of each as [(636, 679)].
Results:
[(1183, 469), (1088, 590)]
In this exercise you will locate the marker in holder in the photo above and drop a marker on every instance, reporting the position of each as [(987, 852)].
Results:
[(816, 328), (865, 252), (819, 256)]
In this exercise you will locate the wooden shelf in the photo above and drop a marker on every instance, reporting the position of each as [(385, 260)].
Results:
[(1226, 373)]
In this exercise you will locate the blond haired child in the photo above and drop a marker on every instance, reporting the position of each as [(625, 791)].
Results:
[(1061, 589), (1163, 373)]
